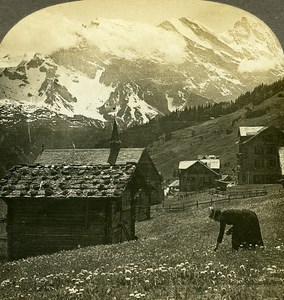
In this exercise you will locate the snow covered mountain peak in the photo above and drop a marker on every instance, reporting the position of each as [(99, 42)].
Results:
[(258, 46), (145, 70)]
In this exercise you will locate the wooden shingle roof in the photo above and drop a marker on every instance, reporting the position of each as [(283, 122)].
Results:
[(66, 181), (88, 156)]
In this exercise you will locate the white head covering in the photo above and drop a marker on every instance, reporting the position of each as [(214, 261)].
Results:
[(211, 211)]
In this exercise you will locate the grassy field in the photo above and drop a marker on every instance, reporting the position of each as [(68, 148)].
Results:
[(172, 259)]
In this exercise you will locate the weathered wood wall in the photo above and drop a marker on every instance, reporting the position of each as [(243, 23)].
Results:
[(42, 226), (123, 219), (3, 234), (150, 173)]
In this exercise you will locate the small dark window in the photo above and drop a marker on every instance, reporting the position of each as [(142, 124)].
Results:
[(271, 163), (271, 150), (268, 138)]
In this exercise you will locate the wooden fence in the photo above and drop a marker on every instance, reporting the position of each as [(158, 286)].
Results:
[(223, 197)]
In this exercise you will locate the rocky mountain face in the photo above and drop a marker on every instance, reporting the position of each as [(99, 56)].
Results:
[(138, 71)]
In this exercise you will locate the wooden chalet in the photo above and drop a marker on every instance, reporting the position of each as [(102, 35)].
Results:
[(59, 207), (258, 157), (110, 156), (73, 198), (194, 175)]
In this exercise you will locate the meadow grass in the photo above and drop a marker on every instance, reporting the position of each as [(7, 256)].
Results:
[(172, 259)]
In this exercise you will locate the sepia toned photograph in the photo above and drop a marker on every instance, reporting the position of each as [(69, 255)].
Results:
[(141, 150)]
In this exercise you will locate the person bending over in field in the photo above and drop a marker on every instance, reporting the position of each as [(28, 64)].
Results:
[(245, 230)]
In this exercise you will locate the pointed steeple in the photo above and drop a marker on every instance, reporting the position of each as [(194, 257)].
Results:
[(114, 144), (114, 135)]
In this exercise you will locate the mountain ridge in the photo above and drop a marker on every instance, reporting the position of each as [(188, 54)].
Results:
[(147, 76)]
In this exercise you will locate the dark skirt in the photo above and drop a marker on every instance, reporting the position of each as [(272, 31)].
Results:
[(247, 234)]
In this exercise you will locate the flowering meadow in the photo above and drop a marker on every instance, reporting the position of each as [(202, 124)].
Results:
[(172, 259)]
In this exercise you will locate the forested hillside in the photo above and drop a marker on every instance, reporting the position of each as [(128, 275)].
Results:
[(145, 134), (217, 135)]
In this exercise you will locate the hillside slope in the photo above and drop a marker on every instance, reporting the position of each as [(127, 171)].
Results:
[(216, 136), (172, 259)]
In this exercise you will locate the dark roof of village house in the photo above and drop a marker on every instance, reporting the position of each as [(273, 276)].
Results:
[(62, 181), (254, 131), (184, 165), (213, 164), (88, 156), (250, 130)]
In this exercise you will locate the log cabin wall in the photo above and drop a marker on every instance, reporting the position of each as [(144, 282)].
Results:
[(44, 226), (142, 206), (3, 233), (150, 173), (123, 218), (141, 197)]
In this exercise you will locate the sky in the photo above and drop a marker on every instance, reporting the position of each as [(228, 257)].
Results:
[(43, 31)]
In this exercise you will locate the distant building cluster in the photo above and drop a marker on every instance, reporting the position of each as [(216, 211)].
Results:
[(260, 161)]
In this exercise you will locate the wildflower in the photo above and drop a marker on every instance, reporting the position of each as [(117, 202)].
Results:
[(5, 282), (223, 291)]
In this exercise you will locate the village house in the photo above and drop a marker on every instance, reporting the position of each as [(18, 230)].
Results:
[(258, 157), (224, 182), (73, 198), (196, 175), (211, 161), (115, 155)]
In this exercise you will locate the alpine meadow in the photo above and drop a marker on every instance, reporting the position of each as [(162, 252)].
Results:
[(142, 153)]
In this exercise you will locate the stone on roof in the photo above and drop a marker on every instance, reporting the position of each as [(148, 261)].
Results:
[(88, 156), (66, 181)]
